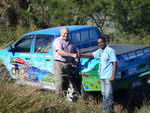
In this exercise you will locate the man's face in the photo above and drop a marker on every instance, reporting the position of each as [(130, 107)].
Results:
[(101, 43), (65, 34)]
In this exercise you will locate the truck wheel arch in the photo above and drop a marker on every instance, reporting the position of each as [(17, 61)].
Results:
[(4, 74)]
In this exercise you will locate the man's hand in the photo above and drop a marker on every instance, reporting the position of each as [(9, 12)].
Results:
[(64, 53), (74, 55), (112, 79), (114, 71)]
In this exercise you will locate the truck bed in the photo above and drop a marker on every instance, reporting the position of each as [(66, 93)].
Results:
[(119, 48)]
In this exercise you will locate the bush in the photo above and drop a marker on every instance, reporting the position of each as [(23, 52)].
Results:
[(123, 38), (9, 35)]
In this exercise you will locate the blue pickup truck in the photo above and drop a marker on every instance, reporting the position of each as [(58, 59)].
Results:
[(29, 60)]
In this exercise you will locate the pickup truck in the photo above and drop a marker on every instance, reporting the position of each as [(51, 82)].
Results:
[(29, 60)]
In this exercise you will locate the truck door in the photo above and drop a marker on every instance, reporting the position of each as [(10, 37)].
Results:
[(19, 54), (42, 52), (42, 55)]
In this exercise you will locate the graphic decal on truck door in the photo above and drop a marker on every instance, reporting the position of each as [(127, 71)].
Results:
[(23, 71)]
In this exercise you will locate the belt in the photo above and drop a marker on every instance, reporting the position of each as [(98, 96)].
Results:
[(61, 61)]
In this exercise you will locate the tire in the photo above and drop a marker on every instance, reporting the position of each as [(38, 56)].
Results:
[(90, 96), (84, 94), (72, 95)]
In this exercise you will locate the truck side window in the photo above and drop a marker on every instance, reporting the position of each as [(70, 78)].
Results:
[(24, 45), (85, 36), (93, 37), (94, 34), (76, 38), (43, 43)]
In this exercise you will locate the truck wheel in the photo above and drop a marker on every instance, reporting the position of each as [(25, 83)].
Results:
[(4, 74), (85, 95), (72, 95)]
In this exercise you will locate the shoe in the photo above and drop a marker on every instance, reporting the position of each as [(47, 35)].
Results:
[(104, 111)]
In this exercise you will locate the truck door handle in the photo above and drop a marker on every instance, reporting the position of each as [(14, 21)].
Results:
[(47, 60), (27, 58)]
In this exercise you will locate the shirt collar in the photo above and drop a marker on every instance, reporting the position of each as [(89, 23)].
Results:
[(104, 48), (64, 40)]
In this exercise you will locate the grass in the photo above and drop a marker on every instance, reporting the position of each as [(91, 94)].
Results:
[(123, 38), (144, 109), (24, 99)]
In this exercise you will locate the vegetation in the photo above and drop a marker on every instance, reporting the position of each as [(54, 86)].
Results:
[(24, 99), (130, 18), (18, 99), (123, 38)]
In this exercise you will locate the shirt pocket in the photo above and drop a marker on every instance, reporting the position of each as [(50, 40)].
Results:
[(105, 58), (71, 48)]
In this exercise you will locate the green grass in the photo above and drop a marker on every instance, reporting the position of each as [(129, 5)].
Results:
[(123, 38)]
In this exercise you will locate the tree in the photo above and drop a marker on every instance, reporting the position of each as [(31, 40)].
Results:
[(131, 16)]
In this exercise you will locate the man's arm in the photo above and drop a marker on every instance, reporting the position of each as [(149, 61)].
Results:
[(85, 54), (64, 53), (114, 71)]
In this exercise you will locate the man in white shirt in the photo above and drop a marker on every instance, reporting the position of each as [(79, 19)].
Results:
[(65, 53), (107, 71)]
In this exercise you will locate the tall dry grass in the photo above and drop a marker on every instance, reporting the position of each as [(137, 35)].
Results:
[(144, 109), (24, 99)]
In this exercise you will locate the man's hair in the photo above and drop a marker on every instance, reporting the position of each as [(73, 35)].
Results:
[(63, 29), (102, 38)]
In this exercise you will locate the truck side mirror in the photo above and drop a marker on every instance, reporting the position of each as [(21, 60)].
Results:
[(11, 49)]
